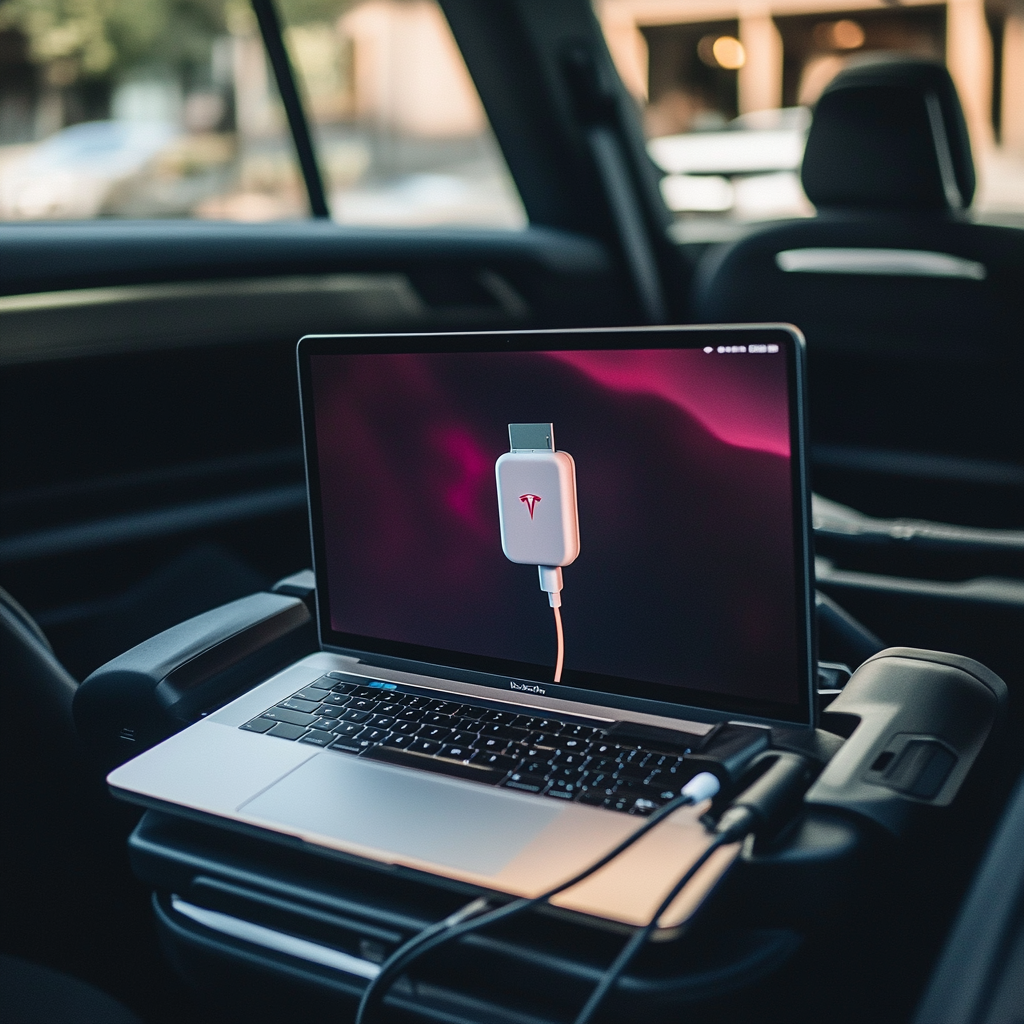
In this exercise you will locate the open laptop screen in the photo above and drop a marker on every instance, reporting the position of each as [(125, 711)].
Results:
[(690, 585)]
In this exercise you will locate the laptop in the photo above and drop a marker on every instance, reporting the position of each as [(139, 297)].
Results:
[(550, 565)]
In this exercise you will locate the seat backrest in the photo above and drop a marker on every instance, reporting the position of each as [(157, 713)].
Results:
[(979, 978), (914, 316), (32, 681)]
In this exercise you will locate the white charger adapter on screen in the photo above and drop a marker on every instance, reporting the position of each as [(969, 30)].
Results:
[(537, 510)]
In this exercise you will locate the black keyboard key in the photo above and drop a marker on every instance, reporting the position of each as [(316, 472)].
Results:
[(602, 764), (620, 801), (258, 725), (324, 724), (434, 718), (317, 739), (574, 743), (406, 728), (328, 711), (491, 744), (535, 753), (411, 759), (351, 715), (498, 717), (563, 789), (448, 707), (286, 731), (547, 725), (323, 683), (435, 732), (419, 746), (338, 700), (524, 783), (643, 807), (637, 758), (411, 714), (306, 706), (365, 691), (309, 693), (592, 797), (348, 744), (471, 713), (382, 721), (372, 735), (601, 748), (569, 760), (586, 732), (464, 737), (497, 762), (412, 700), (503, 731), (348, 729), (458, 753), (343, 688), (361, 704), (545, 741), (400, 741), (291, 717)]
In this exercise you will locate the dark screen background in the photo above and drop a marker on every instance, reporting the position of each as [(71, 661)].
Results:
[(686, 574)]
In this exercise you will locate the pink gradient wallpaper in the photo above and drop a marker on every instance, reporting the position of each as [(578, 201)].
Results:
[(685, 576)]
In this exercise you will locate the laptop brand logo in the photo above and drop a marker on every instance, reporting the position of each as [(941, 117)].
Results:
[(530, 500), (523, 688)]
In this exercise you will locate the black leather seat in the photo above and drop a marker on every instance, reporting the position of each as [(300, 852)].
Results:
[(36, 688), (914, 315), (33, 994), (31, 677), (979, 978)]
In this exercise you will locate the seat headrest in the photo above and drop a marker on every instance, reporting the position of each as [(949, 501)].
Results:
[(889, 134)]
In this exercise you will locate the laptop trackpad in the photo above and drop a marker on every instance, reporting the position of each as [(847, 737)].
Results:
[(406, 813)]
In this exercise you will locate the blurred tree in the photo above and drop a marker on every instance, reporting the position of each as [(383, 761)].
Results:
[(305, 12), (108, 39)]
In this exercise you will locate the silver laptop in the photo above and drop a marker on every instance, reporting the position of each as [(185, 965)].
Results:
[(548, 564)]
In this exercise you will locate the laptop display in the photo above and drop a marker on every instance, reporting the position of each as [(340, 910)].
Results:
[(690, 585)]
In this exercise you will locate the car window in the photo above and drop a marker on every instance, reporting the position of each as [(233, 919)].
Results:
[(726, 94), (401, 133), (169, 108)]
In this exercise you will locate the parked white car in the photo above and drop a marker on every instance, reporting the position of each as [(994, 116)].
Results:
[(751, 169), (72, 173)]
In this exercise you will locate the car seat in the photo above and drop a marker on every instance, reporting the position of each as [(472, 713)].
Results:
[(913, 314), (979, 978)]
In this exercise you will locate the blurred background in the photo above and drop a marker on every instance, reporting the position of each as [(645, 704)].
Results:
[(168, 108), (726, 87)]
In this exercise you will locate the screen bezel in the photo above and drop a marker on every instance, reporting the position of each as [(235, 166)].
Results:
[(612, 690)]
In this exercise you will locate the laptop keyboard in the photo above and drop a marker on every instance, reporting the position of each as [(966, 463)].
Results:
[(554, 757)]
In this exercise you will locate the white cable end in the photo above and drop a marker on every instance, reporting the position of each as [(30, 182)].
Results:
[(551, 582), (701, 787)]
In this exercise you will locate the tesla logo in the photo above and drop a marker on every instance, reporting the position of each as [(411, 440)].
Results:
[(530, 500)]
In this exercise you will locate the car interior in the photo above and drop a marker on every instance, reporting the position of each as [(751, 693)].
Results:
[(155, 509)]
